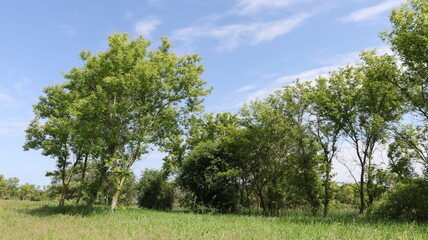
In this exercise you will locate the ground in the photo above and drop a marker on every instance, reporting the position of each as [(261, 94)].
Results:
[(20, 220)]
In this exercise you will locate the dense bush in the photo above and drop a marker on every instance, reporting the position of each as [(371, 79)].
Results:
[(408, 201), (154, 191)]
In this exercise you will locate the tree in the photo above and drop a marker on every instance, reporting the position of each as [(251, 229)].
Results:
[(209, 172), (132, 98), (408, 38), (283, 163), (368, 108), (327, 125), (54, 131)]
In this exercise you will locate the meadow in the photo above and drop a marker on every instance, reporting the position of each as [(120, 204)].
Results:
[(20, 220)]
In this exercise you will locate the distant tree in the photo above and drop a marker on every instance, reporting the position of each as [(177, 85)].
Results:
[(3, 187), (12, 188), (27, 191)]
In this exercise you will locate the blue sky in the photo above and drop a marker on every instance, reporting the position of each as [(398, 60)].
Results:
[(249, 48)]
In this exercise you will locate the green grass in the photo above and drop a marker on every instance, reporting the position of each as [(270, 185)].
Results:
[(36, 221)]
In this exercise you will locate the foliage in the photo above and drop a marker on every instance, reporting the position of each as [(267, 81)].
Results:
[(407, 201), (154, 191), (209, 175), (408, 38)]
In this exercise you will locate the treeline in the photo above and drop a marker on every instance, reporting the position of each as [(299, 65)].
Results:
[(10, 189), (276, 153)]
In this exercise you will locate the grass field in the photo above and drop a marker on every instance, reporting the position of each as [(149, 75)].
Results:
[(37, 221)]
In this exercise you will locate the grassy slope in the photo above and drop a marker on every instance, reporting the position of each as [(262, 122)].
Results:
[(35, 221)]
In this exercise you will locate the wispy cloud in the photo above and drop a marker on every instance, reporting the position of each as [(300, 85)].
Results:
[(67, 30), (255, 6), (304, 76), (147, 26), (12, 128), (7, 101), (154, 1), (351, 57), (330, 64), (22, 83), (245, 88), (234, 35), (371, 13)]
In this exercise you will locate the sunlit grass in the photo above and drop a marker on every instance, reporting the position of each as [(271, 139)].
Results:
[(34, 221)]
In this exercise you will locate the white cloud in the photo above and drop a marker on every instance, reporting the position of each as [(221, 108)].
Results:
[(67, 30), (245, 88), (147, 26), (334, 64), (304, 76), (234, 35), (154, 2), (352, 57), (22, 83), (7, 101), (254, 6), (12, 128), (371, 13)]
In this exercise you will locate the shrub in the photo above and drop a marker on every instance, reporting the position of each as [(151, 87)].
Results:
[(154, 191), (408, 201)]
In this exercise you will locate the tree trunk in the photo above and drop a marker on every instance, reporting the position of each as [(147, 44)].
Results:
[(370, 193), (362, 201), (95, 189), (116, 194), (327, 190), (63, 194), (82, 181), (114, 200)]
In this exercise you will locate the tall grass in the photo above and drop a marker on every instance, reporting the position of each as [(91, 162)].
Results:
[(34, 221)]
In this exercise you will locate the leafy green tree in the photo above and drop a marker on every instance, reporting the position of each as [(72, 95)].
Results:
[(54, 131), (368, 109), (133, 98), (209, 172), (327, 125), (284, 163), (408, 38)]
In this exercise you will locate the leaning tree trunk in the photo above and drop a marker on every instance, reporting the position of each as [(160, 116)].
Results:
[(66, 181), (116, 194), (63, 194)]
